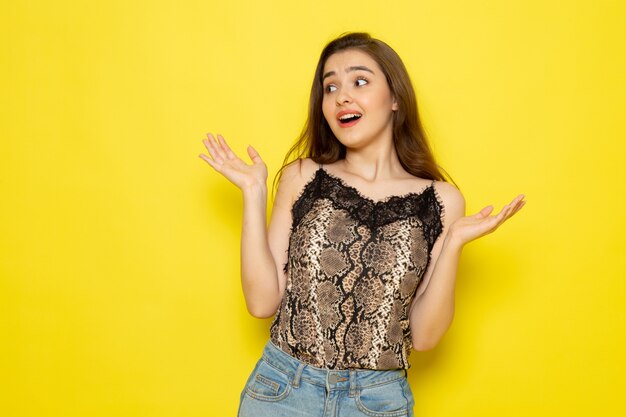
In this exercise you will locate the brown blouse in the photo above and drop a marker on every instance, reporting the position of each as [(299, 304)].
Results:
[(353, 268)]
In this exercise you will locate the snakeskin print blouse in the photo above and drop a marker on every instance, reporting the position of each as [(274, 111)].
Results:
[(353, 267)]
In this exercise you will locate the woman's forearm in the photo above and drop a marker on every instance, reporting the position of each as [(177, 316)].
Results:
[(432, 314), (259, 277)]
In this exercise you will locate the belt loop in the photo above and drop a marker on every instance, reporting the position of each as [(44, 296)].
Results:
[(296, 378), (352, 383)]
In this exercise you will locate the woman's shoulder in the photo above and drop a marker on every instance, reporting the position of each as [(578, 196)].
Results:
[(295, 175), (450, 198), (447, 190), (299, 170)]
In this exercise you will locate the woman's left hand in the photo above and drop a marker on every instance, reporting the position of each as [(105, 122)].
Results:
[(468, 228)]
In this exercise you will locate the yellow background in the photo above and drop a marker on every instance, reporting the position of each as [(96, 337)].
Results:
[(119, 247)]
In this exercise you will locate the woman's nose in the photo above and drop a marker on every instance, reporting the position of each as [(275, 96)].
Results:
[(343, 96)]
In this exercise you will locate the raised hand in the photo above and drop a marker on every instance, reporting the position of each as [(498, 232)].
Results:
[(234, 169), (468, 228)]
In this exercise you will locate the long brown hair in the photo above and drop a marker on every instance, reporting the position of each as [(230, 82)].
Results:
[(317, 141)]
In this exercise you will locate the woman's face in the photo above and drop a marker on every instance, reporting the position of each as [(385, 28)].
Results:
[(357, 104)]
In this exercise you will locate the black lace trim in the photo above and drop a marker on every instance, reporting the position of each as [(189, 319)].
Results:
[(426, 205)]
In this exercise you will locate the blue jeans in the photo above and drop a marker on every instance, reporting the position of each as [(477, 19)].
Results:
[(282, 386)]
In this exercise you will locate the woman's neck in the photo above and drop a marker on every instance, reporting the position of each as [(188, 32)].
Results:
[(373, 166)]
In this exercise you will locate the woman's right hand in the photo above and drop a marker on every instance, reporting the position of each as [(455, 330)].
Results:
[(232, 167)]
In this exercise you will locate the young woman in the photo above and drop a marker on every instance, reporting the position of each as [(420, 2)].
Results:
[(359, 262)]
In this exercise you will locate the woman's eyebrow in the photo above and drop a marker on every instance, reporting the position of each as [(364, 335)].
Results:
[(354, 68)]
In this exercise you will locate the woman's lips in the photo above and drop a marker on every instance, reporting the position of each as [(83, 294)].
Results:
[(350, 124), (349, 113)]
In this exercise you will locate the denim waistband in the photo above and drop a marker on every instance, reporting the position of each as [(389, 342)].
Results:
[(332, 379)]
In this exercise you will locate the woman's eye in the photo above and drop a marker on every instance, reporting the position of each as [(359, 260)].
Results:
[(361, 81), (330, 88)]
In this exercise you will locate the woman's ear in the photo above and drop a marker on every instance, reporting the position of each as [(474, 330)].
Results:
[(394, 106)]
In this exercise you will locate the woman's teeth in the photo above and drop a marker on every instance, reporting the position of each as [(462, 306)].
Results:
[(346, 118)]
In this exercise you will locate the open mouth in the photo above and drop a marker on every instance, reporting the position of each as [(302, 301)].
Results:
[(349, 118)]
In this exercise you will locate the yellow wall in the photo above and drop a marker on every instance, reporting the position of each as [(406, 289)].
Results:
[(119, 247)]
